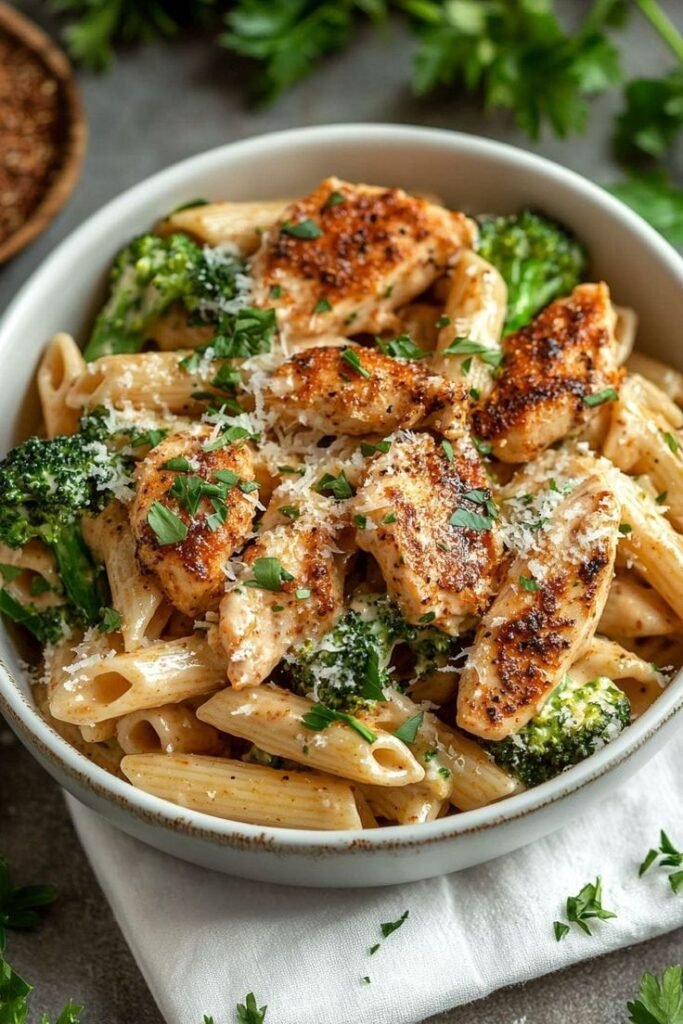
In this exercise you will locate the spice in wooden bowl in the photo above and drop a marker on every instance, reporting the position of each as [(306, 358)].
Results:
[(42, 132)]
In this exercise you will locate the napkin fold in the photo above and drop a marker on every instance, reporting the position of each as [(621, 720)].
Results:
[(203, 940)]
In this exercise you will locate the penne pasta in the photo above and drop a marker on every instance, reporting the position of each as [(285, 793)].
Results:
[(61, 365), (634, 610), (273, 720), (237, 224), (665, 377), (170, 729), (102, 686), (249, 793), (407, 805), (641, 680)]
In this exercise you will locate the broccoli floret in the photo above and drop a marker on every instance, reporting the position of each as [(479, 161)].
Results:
[(349, 666), (577, 720), (152, 273), (537, 258), (48, 625), (46, 486)]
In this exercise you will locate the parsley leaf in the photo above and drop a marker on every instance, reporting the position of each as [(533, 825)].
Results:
[(269, 574), (657, 200), (408, 730), (167, 526), (370, 449), (19, 908), (600, 397), (319, 717), (391, 926), (584, 907), (652, 118), (465, 346), (249, 1013), (669, 857), (338, 486), (528, 583), (350, 356), (401, 347), (659, 1002), (111, 621), (306, 228)]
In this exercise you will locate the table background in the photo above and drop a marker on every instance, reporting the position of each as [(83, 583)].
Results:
[(154, 107)]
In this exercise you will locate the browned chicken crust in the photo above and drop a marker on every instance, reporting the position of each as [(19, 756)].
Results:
[(430, 567), (565, 355), (371, 251), (529, 638), (321, 388), (191, 573)]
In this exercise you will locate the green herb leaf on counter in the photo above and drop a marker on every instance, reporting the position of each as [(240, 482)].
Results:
[(584, 907), (669, 857), (20, 908), (659, 1001), (391, 926)]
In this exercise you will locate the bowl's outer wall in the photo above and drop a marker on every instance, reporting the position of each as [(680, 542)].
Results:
[(467, 173)]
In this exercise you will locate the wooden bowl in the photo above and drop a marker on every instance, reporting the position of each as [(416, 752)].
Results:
[(61, 179)]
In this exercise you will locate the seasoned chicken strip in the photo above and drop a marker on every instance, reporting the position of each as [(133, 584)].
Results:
[(543, 616), (258, 626), (191, 572), (343, 258), (553, 376), (356, 390), (432, 569)]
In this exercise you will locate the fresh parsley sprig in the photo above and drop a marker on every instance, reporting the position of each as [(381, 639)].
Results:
[(659, 1001), (21, 907), (320, 717)]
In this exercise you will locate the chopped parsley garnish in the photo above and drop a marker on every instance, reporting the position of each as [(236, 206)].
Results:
[(268, 574), (475, 394), (334, 199), (290, 511), (606, 395), (389, 518), (625, 529), (189, 491), (470, 520), (178, 465), (447, 449), (20, 908), (584, 907), (366, 979), (227, 477), (409, 729), (166, 525), (360, 521), (370, 449), (319, 717), (402, 347), (323, 305), (302, 593), (240, 335), (151, 437), (671, 441), (249, 1013), (248, 486), (483, 447), (275, 291), (443, 321), (661, 497), (373, 949), (465, 346), (338, 486), (425, 619), (669, 857), (296, 470), (391, 926), (38, 586), (301, 228), (444, 772), (232, 435), (111, 621), (466, 366), (350, 356), (528, 583)]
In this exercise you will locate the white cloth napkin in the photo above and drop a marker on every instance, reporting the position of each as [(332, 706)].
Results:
[(203, 940)]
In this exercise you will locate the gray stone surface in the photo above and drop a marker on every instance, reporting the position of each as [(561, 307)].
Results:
[(155, 107)]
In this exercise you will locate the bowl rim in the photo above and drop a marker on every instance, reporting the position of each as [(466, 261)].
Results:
[(73, 148), (37, 732)]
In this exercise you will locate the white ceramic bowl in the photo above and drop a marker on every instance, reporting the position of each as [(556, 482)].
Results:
[(469, 173)]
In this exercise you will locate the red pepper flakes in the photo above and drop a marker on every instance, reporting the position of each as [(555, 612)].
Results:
[(33, 129)]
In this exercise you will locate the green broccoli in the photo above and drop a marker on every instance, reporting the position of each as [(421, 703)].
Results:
[(537, 258), (577, 720), (45, 489), (150, 274), (349, 666)]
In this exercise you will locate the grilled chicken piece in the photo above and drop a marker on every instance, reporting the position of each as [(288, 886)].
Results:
[(551, 369), (258, 626), (191, 572), (360, 250), (475, 307), (357, 391), (407, 498), (529, 637)]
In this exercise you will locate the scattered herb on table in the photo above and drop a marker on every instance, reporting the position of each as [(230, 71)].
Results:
[(669, 857), (582, 908), (659, 1001)]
